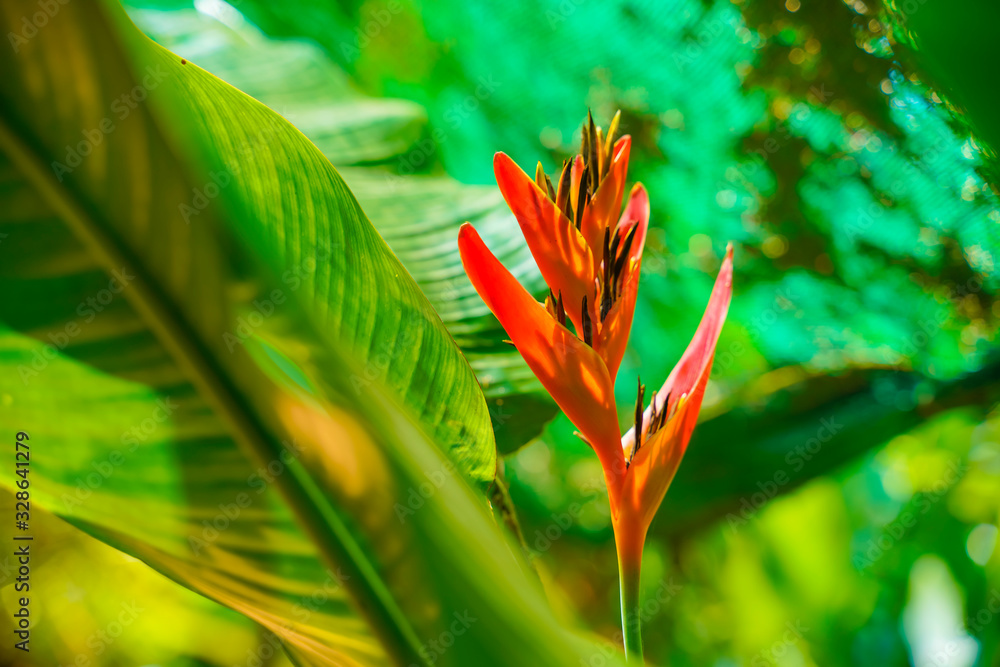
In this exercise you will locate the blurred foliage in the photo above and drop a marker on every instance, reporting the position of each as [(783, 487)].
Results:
[(94, 605), (839, 506), (956, 49)]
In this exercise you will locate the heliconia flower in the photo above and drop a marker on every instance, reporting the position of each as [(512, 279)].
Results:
[(591, 265), (590, 259)]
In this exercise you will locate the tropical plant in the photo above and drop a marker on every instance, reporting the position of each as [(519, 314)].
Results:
[(237, 325), (591, 265)]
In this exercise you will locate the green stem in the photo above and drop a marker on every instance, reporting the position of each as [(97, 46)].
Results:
[(629, 562)]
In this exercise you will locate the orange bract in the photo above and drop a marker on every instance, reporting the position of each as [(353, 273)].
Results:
[(656, 461), (558, 247), (591, 264)]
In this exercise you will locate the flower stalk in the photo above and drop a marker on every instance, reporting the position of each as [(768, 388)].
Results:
[(629, 548), (590, 258)]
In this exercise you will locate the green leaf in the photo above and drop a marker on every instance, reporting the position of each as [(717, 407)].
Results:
[(384, 141), (289, 202), (150, 469), (150, 345)]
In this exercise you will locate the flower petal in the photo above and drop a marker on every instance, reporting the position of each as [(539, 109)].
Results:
[(655, 463), (567, 367), (654, 466), (556, 244), (607, 201), (612, 337), (636, 213), (697, 359)]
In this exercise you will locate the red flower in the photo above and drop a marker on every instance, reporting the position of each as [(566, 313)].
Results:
[(590, 259)]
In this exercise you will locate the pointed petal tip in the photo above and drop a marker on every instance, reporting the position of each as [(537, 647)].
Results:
[(727, 266), (637, 208), (620, 153), (640, 193), (509, 175), (502, 162), (470, 247), (467, 231)]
